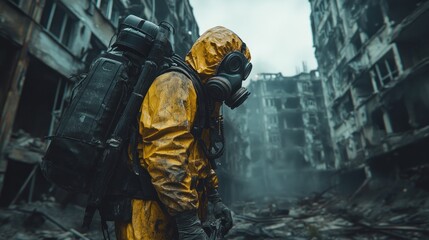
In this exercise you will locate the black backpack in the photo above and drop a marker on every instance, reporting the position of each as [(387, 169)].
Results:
[(95, 128), (96, 105)]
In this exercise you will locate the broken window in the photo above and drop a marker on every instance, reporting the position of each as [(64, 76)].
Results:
[(399, 9), (294, 120), (413, 52), (339, 81), (363, 88), (41, 100), (371, 21), (386, 69), (421, 117), (290, 86), (59, 22), (292, 103), (399, 116), (377, 120), (344, 108)]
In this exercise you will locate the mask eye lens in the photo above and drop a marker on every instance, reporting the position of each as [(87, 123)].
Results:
[(235, 64), (247, 71)]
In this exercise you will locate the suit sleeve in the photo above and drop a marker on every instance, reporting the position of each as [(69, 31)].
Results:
[(168, 112)]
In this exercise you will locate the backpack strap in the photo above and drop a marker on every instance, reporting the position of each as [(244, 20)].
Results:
[(203, 104)]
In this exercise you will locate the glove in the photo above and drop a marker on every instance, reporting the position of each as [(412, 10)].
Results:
[(189, 226), (221, 211)]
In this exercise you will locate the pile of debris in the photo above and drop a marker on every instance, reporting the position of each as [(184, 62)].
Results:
[(377, 211), (45, 220)]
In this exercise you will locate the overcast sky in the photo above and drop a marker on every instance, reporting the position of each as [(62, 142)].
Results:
[(277, 32)]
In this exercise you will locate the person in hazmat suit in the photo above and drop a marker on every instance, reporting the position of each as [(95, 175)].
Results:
[(179, 170)]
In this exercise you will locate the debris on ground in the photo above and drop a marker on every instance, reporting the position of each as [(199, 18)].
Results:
[(387, 211), (47, 220)]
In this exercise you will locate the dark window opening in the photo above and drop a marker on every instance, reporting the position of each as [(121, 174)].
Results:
[(290, 87), (371, 21), (399, 9), (292, 103), (36, 106), (294, 120), (345, 107), (294, 138), (413, 53), (399, 117), (421, 114), (7, 60), (278, 104), (377, 120), (363, 88), (317, 88)]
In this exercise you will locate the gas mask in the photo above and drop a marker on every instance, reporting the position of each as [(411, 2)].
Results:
[(226, 84)]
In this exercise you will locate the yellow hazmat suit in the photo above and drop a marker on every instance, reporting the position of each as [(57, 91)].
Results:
[(180, 172)]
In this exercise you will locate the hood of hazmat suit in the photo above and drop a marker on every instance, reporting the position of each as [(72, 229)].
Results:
[(209, 50)]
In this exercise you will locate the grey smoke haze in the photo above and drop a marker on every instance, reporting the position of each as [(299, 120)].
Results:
[(277, 32)]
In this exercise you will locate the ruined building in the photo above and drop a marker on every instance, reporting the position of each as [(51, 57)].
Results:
[(45, 42), (373, 59), (284, 124)]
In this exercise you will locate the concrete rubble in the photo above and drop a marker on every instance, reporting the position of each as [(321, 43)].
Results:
[(378, 210)]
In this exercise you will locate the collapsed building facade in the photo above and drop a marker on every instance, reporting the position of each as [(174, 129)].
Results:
[(374, 63), (283, 125), (43, 43)]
